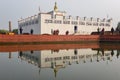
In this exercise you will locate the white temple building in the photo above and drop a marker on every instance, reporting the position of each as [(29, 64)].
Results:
[(48, 23)]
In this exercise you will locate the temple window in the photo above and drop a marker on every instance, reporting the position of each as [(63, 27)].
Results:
[(81, 23)]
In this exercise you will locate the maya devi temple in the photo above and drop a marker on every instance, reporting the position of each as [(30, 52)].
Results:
[(58, 21)]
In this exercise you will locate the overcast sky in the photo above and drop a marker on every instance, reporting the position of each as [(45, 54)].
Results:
[(12, 10)]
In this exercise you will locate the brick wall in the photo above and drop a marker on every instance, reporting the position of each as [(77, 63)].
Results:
[(57, 38), (47, 38), (110, 38)]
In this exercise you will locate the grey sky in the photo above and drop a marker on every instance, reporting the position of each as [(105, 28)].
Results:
[(15, 9)]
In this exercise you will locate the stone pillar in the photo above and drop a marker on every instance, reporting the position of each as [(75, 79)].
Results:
[(10, 25)]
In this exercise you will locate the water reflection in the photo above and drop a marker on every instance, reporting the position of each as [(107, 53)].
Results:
[(59, 57)]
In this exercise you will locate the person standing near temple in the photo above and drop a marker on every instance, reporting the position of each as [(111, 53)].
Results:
[(31, 31), (112, 30), (21, 30)]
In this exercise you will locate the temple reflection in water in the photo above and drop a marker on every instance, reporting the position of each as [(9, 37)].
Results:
[(91, 61), (57, 59)]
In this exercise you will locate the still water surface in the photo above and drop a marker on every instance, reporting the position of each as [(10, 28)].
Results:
[(60, 62)]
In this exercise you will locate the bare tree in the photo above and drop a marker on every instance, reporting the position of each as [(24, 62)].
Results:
[(118, 27)]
